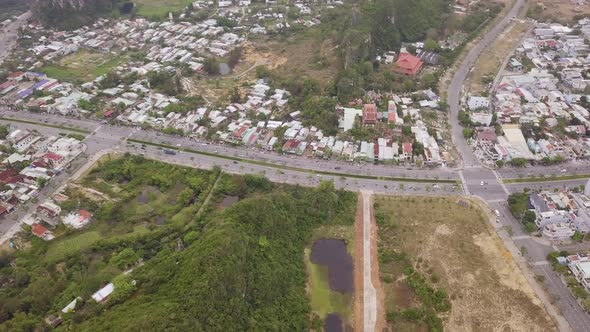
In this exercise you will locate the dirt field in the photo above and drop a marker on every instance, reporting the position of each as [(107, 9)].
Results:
[(453, 247), (563, 11), (306, 55), (489, 63)]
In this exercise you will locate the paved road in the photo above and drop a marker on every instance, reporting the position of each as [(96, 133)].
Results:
[(243, 152), (456, 85), (369, 294), (9, 35)]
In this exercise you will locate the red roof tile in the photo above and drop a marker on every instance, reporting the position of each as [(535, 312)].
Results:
[(38, 229)]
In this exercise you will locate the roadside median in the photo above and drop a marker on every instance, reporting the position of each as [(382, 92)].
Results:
[(547, 178), (43, 124)]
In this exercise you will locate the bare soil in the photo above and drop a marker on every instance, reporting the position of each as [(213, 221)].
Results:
[(456, 249), (563, 11)]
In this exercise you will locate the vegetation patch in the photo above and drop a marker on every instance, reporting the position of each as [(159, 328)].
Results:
[(203, 268), (62, 248), (83, 66), (547, 178), (159, 8)]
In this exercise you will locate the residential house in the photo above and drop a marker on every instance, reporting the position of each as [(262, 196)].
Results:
[(407, 64), (369, 114)]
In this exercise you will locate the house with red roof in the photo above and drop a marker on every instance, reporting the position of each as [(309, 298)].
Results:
[(370, 114), (408, 64), (40, 231), (53, 159), (17, 76), (406, 151)]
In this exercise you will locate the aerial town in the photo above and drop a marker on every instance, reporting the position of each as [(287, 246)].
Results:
[(242, 165)]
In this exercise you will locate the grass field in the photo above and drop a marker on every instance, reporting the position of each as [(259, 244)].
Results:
[(60, 248), (324, 300), (83, 66), (455, 251), (547, 178), (159, 8)]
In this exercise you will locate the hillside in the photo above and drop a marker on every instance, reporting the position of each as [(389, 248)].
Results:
[(70, 14), (197, 266)]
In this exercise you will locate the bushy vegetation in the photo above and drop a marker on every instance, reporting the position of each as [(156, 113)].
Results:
[(205, 268), (61, 14), (517, 204)]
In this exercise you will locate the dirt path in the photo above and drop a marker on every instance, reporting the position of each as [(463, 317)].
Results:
[(358, 266), (369, 291)]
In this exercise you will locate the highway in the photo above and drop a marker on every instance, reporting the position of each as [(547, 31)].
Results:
[(485, 183)]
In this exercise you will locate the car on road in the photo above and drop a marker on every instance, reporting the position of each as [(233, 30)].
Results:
[(563, 171), (170, 152), (481, 183)]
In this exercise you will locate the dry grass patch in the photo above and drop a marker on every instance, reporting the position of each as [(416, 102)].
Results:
[(455, 249), (490, 61), (563, 11)]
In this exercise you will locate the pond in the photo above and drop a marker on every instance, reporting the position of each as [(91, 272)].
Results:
[(332, 254), (333, 323)]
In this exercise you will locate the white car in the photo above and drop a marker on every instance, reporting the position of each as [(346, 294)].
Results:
[(563, 171), (481, 183)]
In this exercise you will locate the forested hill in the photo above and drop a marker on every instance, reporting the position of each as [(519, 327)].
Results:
[(70, 14), (381, 25)]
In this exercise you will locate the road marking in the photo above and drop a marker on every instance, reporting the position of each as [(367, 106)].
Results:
[(539, 263), (521, 237), (501, 183), (464, 183)]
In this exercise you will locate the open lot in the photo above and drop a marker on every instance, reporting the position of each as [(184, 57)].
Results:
[(563, 11), (440, 260), (159, 8), (83, 66)]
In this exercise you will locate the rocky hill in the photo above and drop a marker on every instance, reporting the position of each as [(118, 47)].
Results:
[(70, 14)]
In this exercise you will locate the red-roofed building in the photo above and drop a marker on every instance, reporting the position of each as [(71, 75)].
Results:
[(391, 117), (408, 64), (108, 113), (53, 159), (406, 151), (41, 232), (16, 76), (6, 85), (10, 176), (370, 114)]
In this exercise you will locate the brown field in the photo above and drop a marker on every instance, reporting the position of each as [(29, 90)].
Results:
[(563, 11), (305, 55), (455, 249), (489, 63)]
